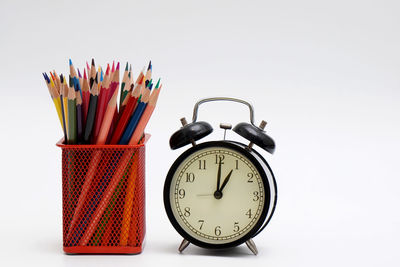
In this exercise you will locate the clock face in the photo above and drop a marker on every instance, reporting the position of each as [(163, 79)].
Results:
[(217, 195)]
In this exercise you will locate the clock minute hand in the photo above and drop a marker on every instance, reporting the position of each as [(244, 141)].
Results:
[(219, 175), (226, 180)]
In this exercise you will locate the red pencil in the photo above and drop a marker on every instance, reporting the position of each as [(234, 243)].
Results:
[(102, 105)]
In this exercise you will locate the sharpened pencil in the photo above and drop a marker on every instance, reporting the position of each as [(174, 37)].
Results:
[(91, 115), (72, 127)]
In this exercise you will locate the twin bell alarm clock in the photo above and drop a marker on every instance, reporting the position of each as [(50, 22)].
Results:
[(220, 194)]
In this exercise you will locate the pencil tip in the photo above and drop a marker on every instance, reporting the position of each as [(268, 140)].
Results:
[(113, 67), (62, 78), (126, 67), (84, 74), (79, 74), (150, 67), (158, 83), (70, 62), (93, 62), (117, 68)]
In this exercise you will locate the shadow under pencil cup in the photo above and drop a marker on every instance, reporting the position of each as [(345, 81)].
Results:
[(103, 195)]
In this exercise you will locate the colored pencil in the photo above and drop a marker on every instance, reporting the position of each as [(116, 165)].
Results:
[(80, 78), (148, 73), (87, 67), (64, 99), (107, 120), (91, 114), (63, 113), (79, 115), (92, 74), (85, 96), (72, 71), (72, 129), (113, 87), (54, 97), (102, 105), (130, 75), (56, 80), (124, 85)]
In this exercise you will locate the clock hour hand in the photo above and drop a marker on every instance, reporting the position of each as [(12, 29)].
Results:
[(226, 181)]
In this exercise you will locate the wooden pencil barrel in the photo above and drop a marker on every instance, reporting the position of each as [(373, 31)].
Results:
[(103, 195)]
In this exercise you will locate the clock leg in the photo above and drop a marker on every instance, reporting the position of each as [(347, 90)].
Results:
[(183, 245), (251, 245)]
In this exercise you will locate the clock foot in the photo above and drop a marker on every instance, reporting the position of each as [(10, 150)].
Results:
[(183, 245), (251, 245)]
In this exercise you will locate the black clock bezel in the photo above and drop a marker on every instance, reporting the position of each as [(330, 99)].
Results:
[(237, 147)]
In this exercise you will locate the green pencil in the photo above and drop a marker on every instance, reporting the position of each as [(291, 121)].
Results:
[(125, 80)]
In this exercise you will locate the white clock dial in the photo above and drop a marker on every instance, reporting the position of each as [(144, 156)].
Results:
[(211, 213)]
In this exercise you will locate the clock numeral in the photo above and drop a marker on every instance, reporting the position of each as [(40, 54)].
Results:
[(256, 196), (189, 177), (248, 213), (201, 224), (237, 165), (187, 212), (236, 227), (217, 231), (202, 164), (251, 176), (181, 193), (219, 158)]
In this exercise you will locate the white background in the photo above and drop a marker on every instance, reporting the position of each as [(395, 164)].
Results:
[(324, 74)]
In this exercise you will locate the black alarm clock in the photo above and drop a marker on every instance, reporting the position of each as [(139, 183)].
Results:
[(220, 194)]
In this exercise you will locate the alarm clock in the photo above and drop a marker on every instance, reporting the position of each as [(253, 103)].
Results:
[(220, 194)]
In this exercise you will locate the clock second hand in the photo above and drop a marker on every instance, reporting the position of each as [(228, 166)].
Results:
[(204, 195)]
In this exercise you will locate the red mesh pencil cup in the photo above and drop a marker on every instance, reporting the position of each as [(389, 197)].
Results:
[(103, 195)]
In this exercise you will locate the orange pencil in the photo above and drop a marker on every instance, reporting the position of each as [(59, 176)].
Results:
[(107, 120)]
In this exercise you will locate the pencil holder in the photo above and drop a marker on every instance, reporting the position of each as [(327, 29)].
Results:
[(103, 194)]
